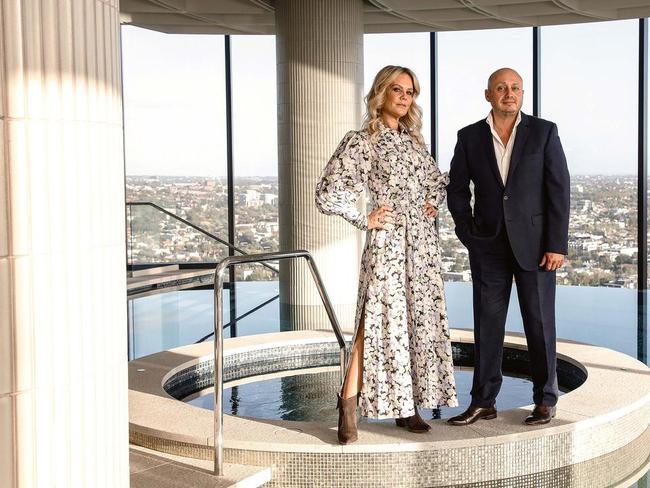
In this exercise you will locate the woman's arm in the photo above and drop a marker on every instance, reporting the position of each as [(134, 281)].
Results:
[(435, 183), (343, 180)]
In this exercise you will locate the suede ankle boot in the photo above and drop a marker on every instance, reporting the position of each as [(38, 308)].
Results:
[(414, 423), (347, 432)]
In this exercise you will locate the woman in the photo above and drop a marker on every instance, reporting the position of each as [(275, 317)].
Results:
[(401, 354)]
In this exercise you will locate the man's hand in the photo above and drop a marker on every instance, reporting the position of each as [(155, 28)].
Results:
[(552, 261), (429, 210)]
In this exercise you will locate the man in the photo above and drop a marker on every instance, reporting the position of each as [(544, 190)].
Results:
[(518, 228)]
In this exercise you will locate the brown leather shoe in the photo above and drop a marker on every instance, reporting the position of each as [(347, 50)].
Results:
[(347, 431), (541, 414), (414, 423), (472, 414)]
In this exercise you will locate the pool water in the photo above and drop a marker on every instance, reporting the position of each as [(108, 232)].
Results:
[(311, 396), (600, 316)]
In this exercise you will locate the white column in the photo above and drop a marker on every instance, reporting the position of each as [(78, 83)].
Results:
[(320, 85), (63, 349)]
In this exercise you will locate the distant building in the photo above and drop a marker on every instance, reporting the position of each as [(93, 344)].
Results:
[(463, 276), (270, 199), (249, 198), (614, 284), (629, 251), (583, 205)]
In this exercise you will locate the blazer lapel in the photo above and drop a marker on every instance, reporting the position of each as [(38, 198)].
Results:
[(489, 150), (520, 143)]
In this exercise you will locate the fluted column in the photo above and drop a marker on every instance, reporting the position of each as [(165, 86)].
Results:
[(63, 351), (320, 83)]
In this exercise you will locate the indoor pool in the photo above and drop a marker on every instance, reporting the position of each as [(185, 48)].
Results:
[(304, 387), (273, 382), (310, 395)]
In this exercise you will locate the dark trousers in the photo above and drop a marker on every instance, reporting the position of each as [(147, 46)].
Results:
[(493, 268)]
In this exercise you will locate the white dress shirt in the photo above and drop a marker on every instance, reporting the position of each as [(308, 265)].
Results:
[(503, 152)]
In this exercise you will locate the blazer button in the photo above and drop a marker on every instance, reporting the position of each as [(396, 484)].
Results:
[(505, 197)]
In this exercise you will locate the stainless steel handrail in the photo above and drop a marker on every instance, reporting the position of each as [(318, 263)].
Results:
[(218, 331)]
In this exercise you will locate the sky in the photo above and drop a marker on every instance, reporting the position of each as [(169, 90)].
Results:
[(174, 96)]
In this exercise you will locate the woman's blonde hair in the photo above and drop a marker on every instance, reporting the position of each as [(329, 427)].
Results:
[(376, 97)]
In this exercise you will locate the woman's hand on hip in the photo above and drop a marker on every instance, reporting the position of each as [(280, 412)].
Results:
[(379, 217), (430, 210)]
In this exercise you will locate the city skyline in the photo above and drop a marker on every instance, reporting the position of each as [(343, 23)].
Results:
[(602, 237)]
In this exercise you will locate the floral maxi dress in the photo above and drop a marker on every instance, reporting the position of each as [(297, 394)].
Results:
[(407, 360)]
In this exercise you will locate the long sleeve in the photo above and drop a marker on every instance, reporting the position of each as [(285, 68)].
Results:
[(435, 183), (344, 179), (458, 192), (558, 190)]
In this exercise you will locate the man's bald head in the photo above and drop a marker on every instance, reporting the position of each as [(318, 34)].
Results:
[(500, 72), (505, 92)]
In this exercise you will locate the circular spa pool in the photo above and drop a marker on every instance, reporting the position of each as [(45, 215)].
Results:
[(309, 394), (293, 375)]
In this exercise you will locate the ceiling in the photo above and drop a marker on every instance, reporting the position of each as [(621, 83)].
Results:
[(258, 16)]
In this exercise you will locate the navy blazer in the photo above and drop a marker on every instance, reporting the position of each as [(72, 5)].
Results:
[(533, 206)]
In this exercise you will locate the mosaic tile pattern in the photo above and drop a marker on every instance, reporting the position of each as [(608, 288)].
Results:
[(432, 468), (252, 363), (604, 471), (275, 359)]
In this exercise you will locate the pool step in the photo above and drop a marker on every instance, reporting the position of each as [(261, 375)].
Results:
[(152, 469)]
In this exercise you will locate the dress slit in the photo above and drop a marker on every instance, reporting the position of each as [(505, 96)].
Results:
[(357, 320)]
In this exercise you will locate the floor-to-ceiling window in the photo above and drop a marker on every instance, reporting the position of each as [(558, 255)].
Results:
[(465, 61), (589, 87), (175, 157), (255, 166), (255, 147), (176, 146), (174, 136)]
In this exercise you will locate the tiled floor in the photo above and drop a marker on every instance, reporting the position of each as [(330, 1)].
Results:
[(150, 469)]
